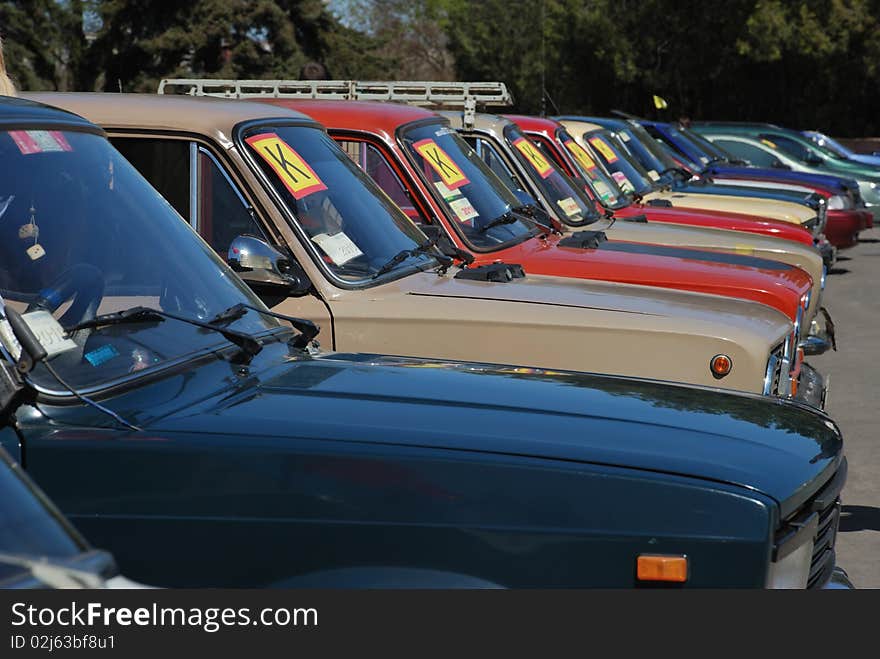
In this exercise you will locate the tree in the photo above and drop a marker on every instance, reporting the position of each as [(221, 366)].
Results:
[(45, 44)]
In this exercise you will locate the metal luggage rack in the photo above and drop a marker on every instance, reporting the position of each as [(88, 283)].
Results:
[(428, 93)]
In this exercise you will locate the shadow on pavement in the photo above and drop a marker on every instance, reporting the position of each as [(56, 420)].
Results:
[(869, 240), (859, 518), (838, 271)]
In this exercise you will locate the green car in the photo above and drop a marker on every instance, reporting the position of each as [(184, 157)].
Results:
[(792, 149)]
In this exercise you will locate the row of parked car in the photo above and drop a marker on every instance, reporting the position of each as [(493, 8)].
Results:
[(396, 342)]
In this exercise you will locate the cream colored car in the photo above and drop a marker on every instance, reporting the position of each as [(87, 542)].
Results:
[(234, 169)]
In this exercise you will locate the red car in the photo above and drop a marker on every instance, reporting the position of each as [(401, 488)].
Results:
[(555, 143), (430, 172)]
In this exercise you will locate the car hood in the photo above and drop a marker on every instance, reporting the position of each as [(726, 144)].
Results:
[(765, 208), (834, 183), (717, 220), (770, 446), (769, 282)]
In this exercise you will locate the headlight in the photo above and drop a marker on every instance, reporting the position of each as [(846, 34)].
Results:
[(793, 555), (838, 203)]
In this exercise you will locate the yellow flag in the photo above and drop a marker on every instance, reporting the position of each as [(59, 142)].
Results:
[(660, 103)]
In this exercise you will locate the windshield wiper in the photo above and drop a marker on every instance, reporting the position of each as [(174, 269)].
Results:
[(250, 347), (52, 574), (306, 328), (402, 256), (507, 218)]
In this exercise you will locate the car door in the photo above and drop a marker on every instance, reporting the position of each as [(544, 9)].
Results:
[(196, 182)]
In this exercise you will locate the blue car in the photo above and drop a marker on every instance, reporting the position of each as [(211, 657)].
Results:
[(835, 148)]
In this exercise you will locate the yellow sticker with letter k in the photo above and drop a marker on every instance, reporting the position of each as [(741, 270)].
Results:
[(604, 149), (535, 158), (294, 172), (441, 163)]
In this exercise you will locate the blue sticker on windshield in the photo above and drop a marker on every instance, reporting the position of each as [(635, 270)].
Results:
[(100, 355)]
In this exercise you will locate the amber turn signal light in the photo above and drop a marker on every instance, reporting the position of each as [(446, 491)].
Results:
[(654, 567), (720, 365)]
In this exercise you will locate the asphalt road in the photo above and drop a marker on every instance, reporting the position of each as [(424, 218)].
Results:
[(852, 298)]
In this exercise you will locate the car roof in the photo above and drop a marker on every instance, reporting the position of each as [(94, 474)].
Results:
[(535, 124), (14, 110), (205, 115), (374, 116)]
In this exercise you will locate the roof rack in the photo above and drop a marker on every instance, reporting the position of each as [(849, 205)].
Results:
[(464, 95)]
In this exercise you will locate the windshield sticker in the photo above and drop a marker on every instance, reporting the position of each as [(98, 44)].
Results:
[(623, 136), (49, 332), (569, 206), (580, 154), (604, 149), (772, 145), (654, 176), (704, 160), (444, 131), (536, 160), (294, 172), (100, 355), (444, 190), (441, 163), (463, 209), (621, 180), (39, 141), (603, 191), (338, 247)]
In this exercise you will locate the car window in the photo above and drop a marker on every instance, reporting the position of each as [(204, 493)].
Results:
[(354, 229), (223, 214), (753, 154), (493, 158), (373, 162), (165, 163), (478, 201), (789, 146), (82, 233)]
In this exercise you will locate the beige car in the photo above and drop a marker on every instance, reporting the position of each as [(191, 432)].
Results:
[(247, 175), (768, 208), (492, 137)]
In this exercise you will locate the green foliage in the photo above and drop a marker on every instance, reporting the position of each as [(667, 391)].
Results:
[(810, 63)]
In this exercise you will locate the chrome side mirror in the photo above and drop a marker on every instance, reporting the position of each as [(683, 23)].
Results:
[(270, 274)]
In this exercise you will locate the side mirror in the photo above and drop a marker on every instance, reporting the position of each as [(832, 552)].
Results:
[(272, 275)]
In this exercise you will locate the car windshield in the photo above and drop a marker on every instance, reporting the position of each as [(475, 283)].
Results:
[(648, 153), (27, 527), (630, 176), (353, 227), (81, 232), (471, 192), (604, 188), (829, 146), (569, 202)]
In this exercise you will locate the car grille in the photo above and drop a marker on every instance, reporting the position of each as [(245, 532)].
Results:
[(823, 550), (825, 505), (774, 370)]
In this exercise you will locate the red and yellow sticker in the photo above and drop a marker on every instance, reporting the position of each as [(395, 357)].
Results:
[(294, 172), (604, 149), (39, 141), (580, 154), (534, 156), (441, 163)]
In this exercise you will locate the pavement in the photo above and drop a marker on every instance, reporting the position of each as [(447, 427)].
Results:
[(854, 303)]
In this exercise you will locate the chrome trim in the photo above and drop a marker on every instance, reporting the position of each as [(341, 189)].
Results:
[(194, 185), (770, 374), (839, 580)]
